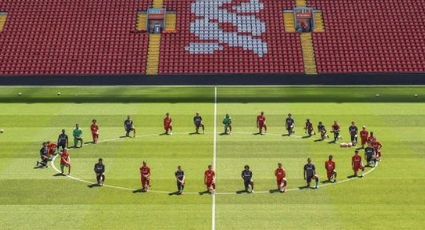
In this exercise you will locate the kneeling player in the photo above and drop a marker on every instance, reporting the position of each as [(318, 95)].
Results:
[(52, 147), (247, 179), (145, 177), (281, 181), (310, 174), (65, 161), (168, 124), (290, 124), (309, 128), (357, 164), (180, 177), (99, 169), (370, 155), (94, 128), (330, 169), (44, 156), (377, 146), (209, 179), (261, 123), (364, 135), (322, 130), (227, 122), (336, 130), (199, 123), (78, 136), (129, 127), (353, 130)]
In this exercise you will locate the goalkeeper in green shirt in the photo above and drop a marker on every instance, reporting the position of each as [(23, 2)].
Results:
[(78, 136), (227, 124)]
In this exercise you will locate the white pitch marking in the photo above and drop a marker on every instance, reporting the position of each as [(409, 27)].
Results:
[(215, 156)]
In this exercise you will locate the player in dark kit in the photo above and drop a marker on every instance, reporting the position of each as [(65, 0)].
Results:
[(309, 128), (199, 123), (335, 130), (129, 126), (63, 140), (99, 169), (370, 155), (44, 156), (353, 130), (356, 163), (310, 174), (247, 179), (281, 181), (145, 177), (330, 167), (261, 123), (322, 130), (180, 177), (290, 124)]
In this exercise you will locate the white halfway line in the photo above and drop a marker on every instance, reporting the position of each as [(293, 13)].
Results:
[(214, 157)]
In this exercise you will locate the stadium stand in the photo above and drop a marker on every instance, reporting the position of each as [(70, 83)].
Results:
[(83, 37)]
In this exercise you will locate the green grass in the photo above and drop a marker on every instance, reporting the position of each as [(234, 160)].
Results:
[(392, 195)]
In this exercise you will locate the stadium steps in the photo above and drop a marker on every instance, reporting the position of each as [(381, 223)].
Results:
[(142, 21), (289, 22), (301, 3), (170, 22), (3, 18), (158, 3), (153, 54), (308, 54), (319, 22)]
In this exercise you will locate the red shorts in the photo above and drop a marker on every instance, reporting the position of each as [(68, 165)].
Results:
[(210, 184), (145, 181), (95, 135), (330, 173), (279, 181), (168, 127), (261, 125), (364, 141), (358, 167)]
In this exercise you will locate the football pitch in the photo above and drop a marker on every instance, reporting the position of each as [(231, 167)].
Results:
[(390, 195)]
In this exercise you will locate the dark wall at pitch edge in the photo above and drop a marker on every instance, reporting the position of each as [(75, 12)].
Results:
[(240, 79)]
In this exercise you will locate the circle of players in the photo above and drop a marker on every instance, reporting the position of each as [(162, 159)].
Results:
[(372, 153)]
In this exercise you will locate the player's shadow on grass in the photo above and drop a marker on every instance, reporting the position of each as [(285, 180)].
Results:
[(274, 191), (353, 176), (176, 193), (93, 185), (332, 142), (318, 140), (164, 134), (139, 191), (304, 187), (224, 134), (194, 133), (204, 192), (306, 136), (242, 192), (124, 136), (59, 174)]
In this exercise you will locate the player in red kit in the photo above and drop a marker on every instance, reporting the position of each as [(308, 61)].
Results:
[(261, 123), (364, 135), (209, 179), (371, 139), (94, 131), (281, 181), (65, 161), (356, 163), (335, 130), (52, 148), (168, 124), (377, 146), (145, 176), (330, 169)]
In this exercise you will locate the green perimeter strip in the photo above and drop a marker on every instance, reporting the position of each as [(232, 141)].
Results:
[(204, 94)]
